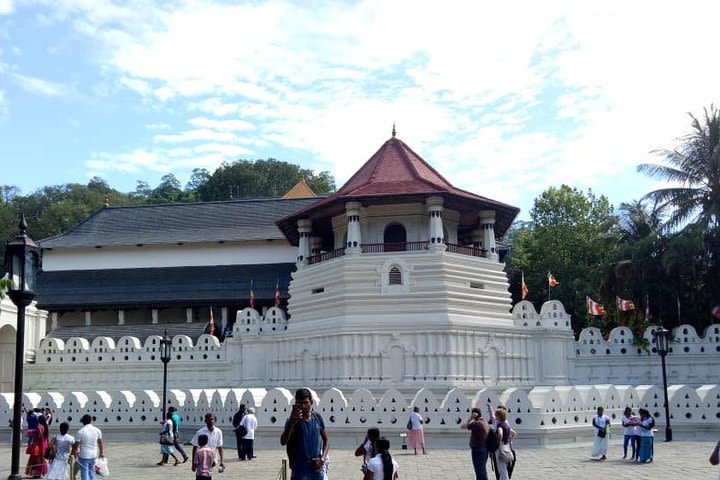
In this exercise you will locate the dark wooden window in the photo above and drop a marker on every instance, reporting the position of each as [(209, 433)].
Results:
[(395, 276)]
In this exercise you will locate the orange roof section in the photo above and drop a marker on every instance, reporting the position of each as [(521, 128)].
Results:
[(300, 190)]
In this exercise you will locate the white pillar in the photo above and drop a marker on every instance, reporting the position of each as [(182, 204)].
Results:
[(435, 223), (304, 227), (88, 318), (53, 320), (155, 316), (478, 236), (224, 317), (121, 317), (188, 315), (487, 224), (354, 236), (315, 245)]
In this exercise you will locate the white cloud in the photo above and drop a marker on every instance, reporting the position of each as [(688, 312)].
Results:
[(39, 86), (221, 125), (200, 134), (563, 92), (6, 7), (3, 103)]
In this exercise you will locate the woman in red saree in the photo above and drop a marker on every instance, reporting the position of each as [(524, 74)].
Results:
[(36, 466)]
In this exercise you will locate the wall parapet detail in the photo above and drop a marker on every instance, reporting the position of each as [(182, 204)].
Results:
[(536, 409)]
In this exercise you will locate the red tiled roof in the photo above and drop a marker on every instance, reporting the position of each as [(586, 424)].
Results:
[(395, 170)]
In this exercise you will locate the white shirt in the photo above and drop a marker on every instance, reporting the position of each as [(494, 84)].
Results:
[(250, 422), (215, 438), (375, 465), (416, 420), (88, 437)]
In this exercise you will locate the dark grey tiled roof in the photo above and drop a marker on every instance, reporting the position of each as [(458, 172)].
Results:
[(141, 332), (233, 220), (219, 285)]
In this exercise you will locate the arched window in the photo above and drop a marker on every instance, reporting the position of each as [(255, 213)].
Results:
[(394, 276), (394, 238)]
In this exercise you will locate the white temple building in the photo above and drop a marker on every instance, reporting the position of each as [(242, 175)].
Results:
[(395, 283)]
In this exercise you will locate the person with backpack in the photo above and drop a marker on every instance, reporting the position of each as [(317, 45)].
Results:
[(647, 423), (504, 455), (479, 440), (306, 440)]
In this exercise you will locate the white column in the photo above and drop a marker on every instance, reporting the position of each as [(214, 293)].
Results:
[(53, 320), (435, 223), (188, 315), (487, 225), (315, 245), (224, 317), (155, 316), (121, 317), (354, 236), (478, 236), (304, 228), (88, 318)]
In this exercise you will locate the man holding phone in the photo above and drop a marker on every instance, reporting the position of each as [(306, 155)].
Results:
[(305, 439)]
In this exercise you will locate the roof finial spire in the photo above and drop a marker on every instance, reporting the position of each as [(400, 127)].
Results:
[(393, 132)]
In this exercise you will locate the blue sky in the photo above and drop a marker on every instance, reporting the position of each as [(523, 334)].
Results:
[(504, 98)]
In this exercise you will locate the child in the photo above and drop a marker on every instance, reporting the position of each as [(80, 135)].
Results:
[(367, 448), (204, 460)]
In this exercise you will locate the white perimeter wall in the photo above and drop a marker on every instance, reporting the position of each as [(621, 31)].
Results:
[(158, 256)]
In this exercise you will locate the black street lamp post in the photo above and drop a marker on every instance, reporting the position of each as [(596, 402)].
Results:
[(22, 259), (165, 352), (661, 343)]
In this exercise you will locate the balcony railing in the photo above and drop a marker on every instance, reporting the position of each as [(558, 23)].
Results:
[(397, 247), (323, 257), (394, 247), (465, 250)]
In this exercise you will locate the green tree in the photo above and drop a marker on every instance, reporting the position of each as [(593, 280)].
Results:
[(693, 202), (260, 179), (695, 167), (572, 234), (168, 191)]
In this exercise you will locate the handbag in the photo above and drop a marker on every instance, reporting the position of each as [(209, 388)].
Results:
[(409, 425), (241, 430), (506, 454), (51, 451), (165, 439)]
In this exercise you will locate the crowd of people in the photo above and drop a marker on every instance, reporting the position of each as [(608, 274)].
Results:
[(305, 438), (637, 434)]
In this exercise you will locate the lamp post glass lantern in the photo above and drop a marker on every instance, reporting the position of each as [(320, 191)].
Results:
[(662, 338), (22, 260), (165, 352)]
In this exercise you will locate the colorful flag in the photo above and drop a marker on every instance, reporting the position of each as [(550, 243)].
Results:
[(716, 311), (551, 280), (594, 308), (624, 305), (523, 287), (211, 327), (252, 293), (277, 293)]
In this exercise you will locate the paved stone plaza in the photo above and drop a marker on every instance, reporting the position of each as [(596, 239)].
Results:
[(673, 461)]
